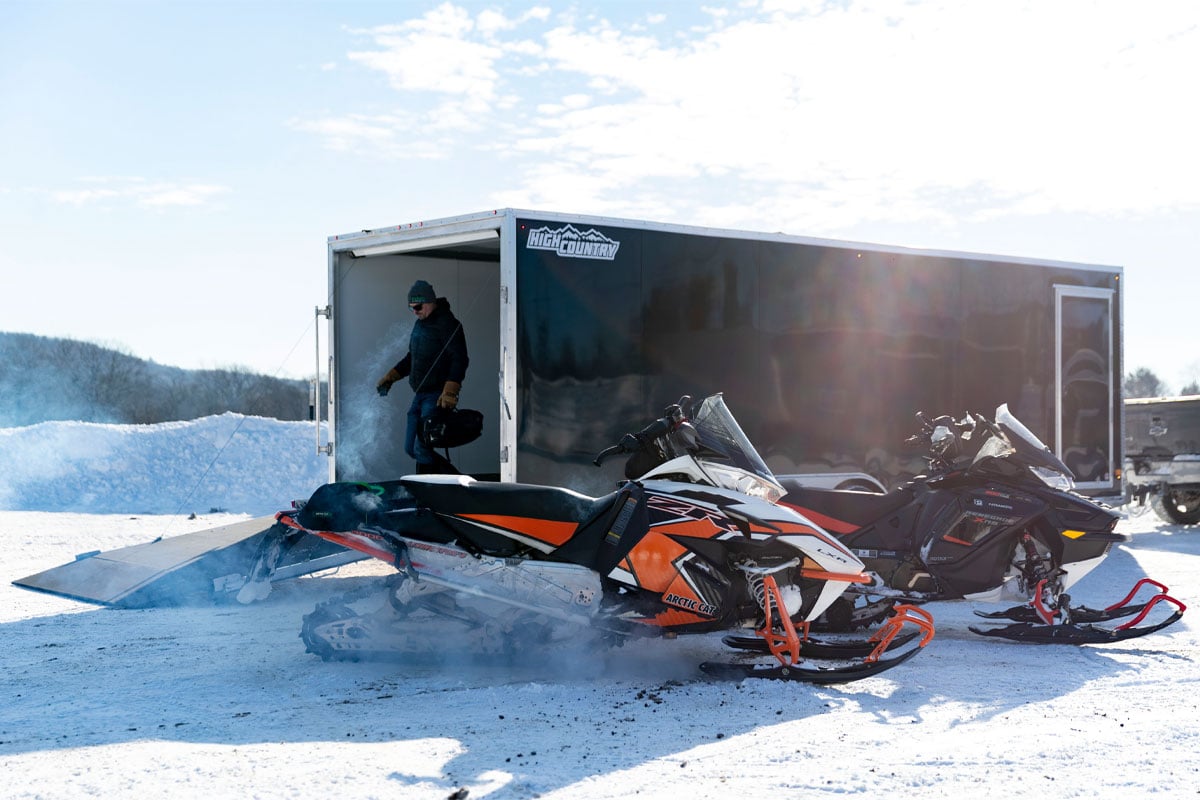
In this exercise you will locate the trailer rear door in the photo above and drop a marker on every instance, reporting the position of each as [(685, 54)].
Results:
[(1085, 384)]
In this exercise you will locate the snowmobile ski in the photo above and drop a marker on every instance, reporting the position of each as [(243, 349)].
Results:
[(1037, 610), (821, 675), (1085, 632), (779, 637), (1071, 633), (821, 648), (1079, 614)]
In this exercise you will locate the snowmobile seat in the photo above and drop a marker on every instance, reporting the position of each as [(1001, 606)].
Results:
[(842, 511), (545, 517)]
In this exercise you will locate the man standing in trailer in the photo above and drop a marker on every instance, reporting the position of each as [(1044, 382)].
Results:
[(436, 365)]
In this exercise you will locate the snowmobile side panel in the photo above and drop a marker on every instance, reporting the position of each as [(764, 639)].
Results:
[(191, 568)]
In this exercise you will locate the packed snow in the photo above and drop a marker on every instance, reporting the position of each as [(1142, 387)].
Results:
[(229, 462), (222, 700)]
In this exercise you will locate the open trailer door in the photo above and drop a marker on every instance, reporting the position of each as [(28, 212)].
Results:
[(369, 327)]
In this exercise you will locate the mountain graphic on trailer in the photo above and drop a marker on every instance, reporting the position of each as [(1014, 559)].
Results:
[(569, 242)]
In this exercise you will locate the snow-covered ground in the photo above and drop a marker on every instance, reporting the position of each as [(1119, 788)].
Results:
[(224, 702)]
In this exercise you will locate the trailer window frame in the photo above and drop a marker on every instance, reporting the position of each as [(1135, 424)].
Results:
[(1063, 294)]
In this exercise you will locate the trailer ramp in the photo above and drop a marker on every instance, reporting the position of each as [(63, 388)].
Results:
[(190, 569)]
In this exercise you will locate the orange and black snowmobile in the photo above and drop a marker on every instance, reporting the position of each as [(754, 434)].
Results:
[(693, 542)]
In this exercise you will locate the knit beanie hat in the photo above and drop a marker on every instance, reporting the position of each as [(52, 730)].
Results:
[(421, 292)]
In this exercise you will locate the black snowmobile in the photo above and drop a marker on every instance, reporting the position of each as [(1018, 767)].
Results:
[(994, 518)]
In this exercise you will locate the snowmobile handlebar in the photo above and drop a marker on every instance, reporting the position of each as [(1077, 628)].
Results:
[(673, 417), (630, 442)]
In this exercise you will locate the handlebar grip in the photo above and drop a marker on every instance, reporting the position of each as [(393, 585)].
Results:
[(656, 429), (607, 453)]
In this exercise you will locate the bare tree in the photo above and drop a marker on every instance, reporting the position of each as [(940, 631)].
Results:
[(1143, 383)]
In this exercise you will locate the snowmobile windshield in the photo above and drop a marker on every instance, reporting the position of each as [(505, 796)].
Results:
[(727, 455), (1048, 467)]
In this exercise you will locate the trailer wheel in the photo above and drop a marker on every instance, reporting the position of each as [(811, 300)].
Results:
[(1177, 506)]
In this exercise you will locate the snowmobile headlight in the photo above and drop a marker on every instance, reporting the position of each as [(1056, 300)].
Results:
[(1054, 479), (739, 480)]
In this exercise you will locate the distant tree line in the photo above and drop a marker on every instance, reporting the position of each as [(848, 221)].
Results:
[(1144, 383), (43, 378)]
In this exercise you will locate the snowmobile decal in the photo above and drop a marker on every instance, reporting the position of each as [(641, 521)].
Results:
[(653, 561), (356, 540), (674, 618), (690, 604), (827, 522), (539, 532)]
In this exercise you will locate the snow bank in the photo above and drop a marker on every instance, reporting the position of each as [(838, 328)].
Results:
[(229, 462)]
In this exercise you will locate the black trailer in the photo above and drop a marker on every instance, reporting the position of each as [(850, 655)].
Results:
[(581, 328)]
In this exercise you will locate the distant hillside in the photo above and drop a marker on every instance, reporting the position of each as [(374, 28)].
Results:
[(44, 379)]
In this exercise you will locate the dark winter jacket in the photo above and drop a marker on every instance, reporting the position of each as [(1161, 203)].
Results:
[(437, 351)]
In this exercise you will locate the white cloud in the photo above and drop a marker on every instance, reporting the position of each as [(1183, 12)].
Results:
[(139, 191), (865, 109), (435, 53)]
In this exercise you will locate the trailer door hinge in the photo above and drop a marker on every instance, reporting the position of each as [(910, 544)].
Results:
[(504, 454)]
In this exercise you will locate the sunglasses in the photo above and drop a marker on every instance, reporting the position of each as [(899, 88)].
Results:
[(416, 306)]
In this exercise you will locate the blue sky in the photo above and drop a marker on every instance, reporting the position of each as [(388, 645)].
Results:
[(171, 170)]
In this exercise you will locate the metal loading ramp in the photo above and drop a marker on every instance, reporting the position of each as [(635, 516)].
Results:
[(189, 569)]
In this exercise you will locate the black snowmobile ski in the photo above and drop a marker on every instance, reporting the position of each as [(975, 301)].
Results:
[(1079, 614), (1039, 624), (1072, 633), (823, 675), (1083, 632), (1037, 612), (820, 648), (789, 648)]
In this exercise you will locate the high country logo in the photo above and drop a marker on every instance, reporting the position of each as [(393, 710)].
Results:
[(567, 241)]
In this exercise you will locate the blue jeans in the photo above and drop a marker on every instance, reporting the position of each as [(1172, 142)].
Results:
[(423, 404)]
